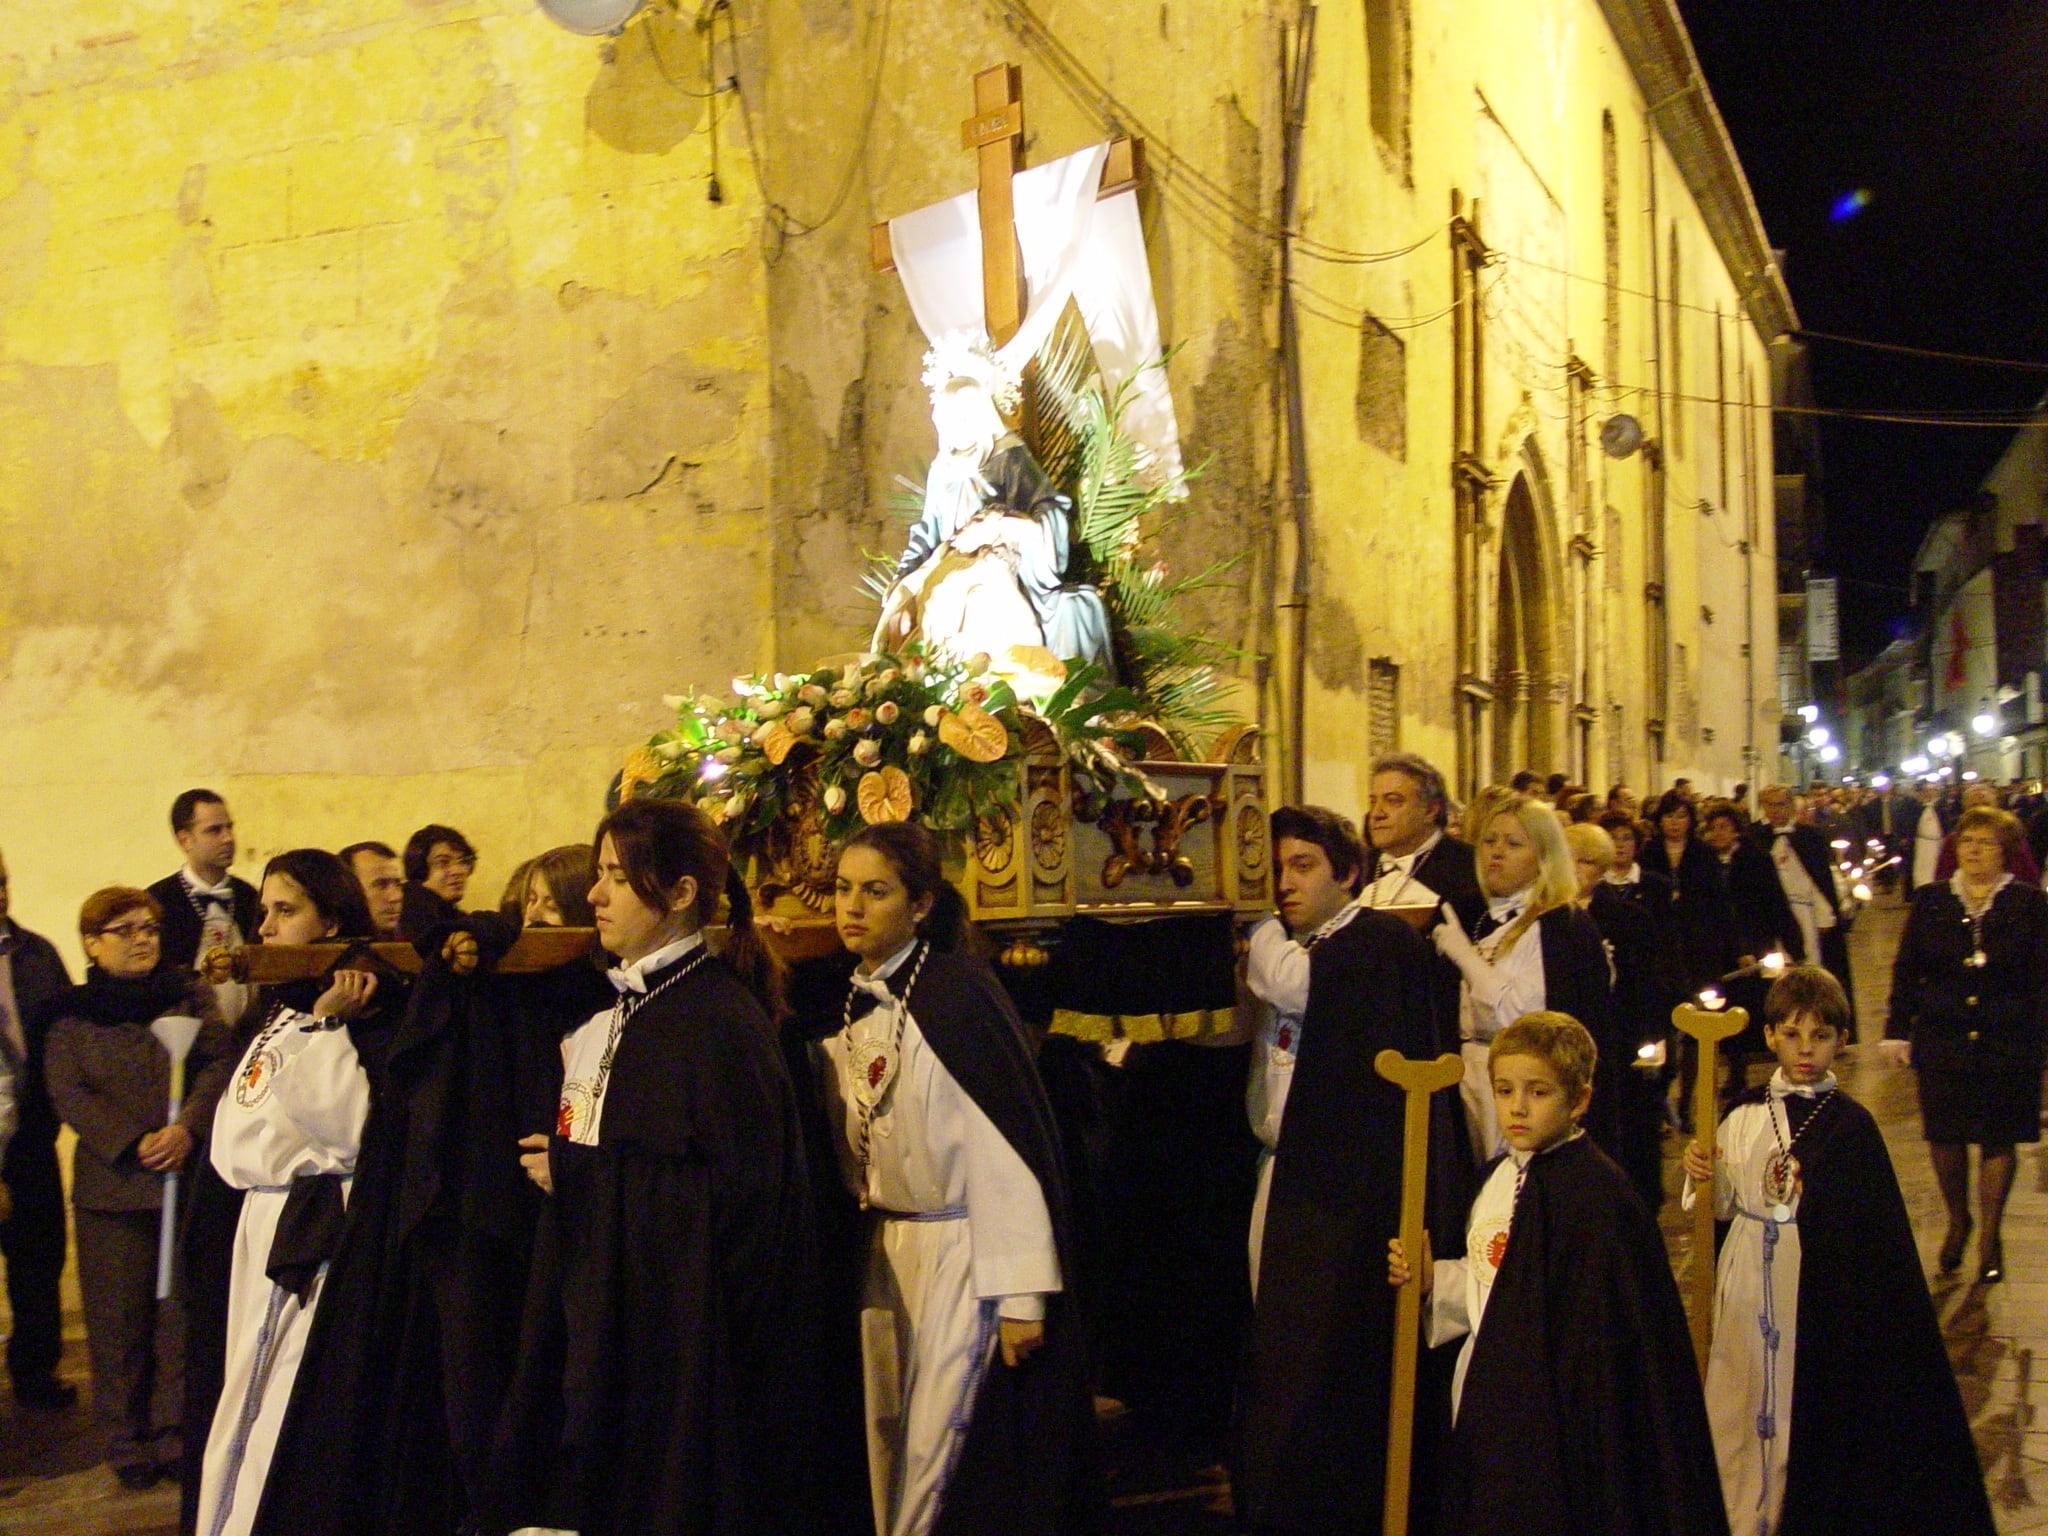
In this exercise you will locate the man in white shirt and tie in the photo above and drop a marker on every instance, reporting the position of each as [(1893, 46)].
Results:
[(1413, 861), (204, 906)]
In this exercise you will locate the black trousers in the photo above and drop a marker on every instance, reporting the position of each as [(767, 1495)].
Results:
[(32, 1241)]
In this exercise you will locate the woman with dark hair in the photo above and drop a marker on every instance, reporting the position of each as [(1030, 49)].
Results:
[(665, 1368), (109, 1079), (1968, 988), (979, 1415), (286, 1135), (1700, 914)]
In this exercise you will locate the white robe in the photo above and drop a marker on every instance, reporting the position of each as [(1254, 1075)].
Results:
[(1459, 1288), (295, 1106), (967, 1239), (1516, 987), (1749, 1371)]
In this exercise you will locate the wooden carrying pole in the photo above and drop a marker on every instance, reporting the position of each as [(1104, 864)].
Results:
[(1709, 1028), (1417, 1080), (536, 949)]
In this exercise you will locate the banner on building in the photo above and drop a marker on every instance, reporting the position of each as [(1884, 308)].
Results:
[(1823, 623)]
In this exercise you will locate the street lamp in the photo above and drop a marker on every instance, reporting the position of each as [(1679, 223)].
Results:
[(1817, 737), (1984, 724), (1831, 754), (1809, 713)]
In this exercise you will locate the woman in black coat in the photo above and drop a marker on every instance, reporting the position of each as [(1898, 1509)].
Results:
[(1700, 913), (1967, 992)]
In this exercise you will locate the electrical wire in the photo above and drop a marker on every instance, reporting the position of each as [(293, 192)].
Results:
[(784, 224), (1094, 97)]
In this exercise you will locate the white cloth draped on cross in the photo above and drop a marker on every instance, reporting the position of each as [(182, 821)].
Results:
[(1075, 245)]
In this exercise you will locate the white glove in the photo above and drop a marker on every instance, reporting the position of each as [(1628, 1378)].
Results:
[(1453, 944)]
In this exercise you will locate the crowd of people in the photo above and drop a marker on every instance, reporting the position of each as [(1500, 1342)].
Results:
[(682, 1239)]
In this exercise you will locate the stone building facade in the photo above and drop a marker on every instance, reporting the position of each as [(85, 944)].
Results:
[(398, 397)]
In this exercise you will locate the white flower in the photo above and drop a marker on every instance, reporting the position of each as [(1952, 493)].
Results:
[(886, 712), (802, 720), (834, 729), (842, 698), (934, 714), (867, 753), (920, 744), (977, 664), (835, 799), (727, 755), (772, 709)]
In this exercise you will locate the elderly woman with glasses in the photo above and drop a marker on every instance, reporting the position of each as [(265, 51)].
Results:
[(109, 1079)]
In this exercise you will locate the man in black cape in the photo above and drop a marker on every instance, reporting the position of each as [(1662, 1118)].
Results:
[(1880, 1440), (1582, 1413), (1312, 1413)]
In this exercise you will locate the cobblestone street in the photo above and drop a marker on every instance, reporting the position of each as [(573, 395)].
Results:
[(50, 1484)]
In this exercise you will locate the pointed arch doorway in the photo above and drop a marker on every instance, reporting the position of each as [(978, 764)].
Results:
[(1528, 652)]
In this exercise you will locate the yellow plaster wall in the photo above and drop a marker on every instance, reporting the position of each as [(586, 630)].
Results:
[(380, 425)]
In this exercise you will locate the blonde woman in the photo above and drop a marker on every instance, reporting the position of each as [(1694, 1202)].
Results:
[(1533, 949)]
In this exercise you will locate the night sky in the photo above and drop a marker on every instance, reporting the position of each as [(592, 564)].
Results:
[(1938, 111)]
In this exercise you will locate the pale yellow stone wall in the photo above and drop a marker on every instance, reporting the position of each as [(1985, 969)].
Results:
[(380, 425), (388, 419)]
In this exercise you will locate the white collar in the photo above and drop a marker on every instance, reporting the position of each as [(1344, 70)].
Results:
[(876, 982), (225, 890), (633, 977), (1782, 1087), (1503, 908), (1405, 863), (1633, 877)]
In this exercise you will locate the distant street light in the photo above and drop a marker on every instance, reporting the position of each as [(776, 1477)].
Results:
[(1831, 754), (1809, 713), (1984, 725), (1817, 737)]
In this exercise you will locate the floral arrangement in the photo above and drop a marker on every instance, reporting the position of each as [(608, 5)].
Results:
[(881, 738)]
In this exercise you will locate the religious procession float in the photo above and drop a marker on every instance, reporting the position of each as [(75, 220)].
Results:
[(1027, 693)]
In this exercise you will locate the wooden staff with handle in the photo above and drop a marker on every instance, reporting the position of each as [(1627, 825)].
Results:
[(1709, 1028), (1417, 1080)]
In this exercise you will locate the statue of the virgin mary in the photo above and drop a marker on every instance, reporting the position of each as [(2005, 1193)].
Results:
[(986, 566)]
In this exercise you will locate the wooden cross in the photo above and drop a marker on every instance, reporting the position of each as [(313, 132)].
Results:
[(996, 134), (1417, 1080), (1709, 1029)]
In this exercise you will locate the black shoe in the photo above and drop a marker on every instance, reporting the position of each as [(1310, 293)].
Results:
[(138, 1477), (1991, 1259), (1950, 1258), (47, 1393)]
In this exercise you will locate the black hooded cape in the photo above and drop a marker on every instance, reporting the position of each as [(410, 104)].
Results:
[(1312, 1411), (1028, 1466), (1880, 1441), (661, 1384), (395, 1407), (1582, 1413)]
